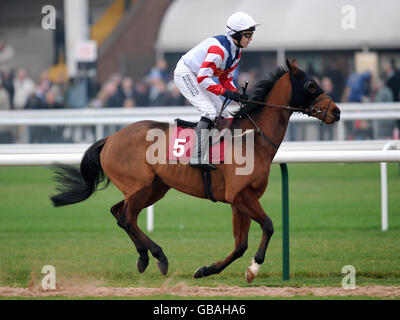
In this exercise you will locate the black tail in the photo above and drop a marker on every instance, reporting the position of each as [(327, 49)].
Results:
[(76, 185)]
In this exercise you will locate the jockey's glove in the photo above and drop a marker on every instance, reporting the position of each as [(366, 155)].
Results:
[(235, 95)]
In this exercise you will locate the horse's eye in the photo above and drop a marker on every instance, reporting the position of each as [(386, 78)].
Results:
[(310, 87)]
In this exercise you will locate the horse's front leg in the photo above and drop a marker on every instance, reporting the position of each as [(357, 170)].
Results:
[(247, 201), (241, 225)]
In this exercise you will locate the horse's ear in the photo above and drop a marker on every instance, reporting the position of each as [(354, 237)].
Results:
[(288, 65), (293, 67)]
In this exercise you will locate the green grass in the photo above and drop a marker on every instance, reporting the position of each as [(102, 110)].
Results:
[(334, 221)]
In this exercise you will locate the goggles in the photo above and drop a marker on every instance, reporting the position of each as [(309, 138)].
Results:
[(248, 34)]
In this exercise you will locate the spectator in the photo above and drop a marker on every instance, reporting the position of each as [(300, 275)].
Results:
[(141, 94), (326, 132), (47, 134), (23, 86), (128, 90), (4, 98), (129, 103), (44, 82), (6, 135), (61, 89), (125, 91), (110, 92), (116, 79), (355, 91), (8, 84), (6, 57), (100, 101), (158, 93), (382, 92), (392, 77), (333, 72), (175, 98), (43, 85), (356, 87), (50, 101), (122, 92), (34, 101), (160, 70)]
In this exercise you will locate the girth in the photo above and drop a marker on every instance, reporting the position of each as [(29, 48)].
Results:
[(206, 178)]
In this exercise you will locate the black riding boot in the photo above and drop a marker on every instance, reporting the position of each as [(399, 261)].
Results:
[(201, 143)]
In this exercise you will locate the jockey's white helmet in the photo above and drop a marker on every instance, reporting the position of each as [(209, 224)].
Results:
[(240, 21)]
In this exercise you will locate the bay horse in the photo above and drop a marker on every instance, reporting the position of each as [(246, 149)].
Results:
[(121, 158)]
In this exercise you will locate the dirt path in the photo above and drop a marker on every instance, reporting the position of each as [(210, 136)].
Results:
[(182, 289)]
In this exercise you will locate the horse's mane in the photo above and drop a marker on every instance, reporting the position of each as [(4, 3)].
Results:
[(262, 88)]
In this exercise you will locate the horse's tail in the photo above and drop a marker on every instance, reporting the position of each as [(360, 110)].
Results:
[(78, 184)]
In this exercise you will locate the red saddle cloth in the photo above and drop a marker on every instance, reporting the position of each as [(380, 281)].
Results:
[(181, 145)]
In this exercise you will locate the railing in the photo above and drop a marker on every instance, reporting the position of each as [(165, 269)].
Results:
[(99, 119)]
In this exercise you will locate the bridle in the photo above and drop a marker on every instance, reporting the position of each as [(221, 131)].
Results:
[(313, 109)]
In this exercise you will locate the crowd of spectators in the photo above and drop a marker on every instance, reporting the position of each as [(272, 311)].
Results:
[(359, 87), (157, 88), (18, 91)]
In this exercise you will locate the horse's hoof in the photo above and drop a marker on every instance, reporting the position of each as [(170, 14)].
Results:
[(252, 271), (199, 273), (163, 267), (249, 275), (142, 264)]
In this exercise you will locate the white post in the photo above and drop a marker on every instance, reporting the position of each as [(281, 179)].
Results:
[(150, 218), (280, 57), (340, 131), (76, 29), (384, 197), (384, 190)]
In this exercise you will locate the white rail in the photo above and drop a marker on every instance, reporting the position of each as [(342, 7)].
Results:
[(120, 116), (112, 116), (44, 159)]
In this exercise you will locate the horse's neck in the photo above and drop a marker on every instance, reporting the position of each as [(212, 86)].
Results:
[(274, 121)]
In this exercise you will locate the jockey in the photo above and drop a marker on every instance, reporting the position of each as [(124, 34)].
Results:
[(214, 57)]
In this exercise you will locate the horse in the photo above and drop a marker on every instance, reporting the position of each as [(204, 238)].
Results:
[(121, 159)]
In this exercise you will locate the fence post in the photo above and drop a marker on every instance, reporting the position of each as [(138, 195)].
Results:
[(285, 221)]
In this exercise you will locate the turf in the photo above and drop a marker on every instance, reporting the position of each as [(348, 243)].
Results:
[(334, 221)]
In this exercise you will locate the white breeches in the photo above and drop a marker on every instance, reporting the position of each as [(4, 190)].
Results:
[(206, 102)]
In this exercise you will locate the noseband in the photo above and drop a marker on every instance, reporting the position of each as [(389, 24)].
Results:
[(315, 108)]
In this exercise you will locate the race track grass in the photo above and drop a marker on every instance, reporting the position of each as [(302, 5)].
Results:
[(334, 221)]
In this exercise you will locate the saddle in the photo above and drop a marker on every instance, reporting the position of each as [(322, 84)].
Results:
[(181, 143)]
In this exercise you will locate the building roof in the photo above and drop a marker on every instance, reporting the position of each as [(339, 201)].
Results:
[(286, 24)]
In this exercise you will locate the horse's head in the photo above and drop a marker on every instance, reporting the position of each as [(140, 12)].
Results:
[(308, 96)]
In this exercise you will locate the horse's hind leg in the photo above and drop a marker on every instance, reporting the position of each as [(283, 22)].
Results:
[(128, 221), (143, 260), (247, 201), (241, 225)]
